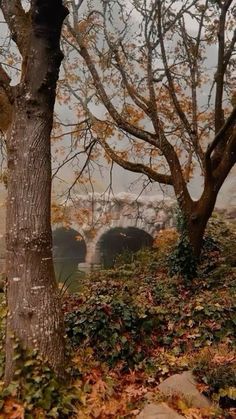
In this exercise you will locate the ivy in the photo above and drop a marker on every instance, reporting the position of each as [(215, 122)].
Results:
[(123, 319), (36, 390), (182, 261)]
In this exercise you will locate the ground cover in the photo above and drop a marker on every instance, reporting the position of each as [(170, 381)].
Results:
[(131, 327)]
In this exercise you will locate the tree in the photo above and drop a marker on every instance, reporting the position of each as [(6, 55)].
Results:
[(34, 312), (142, 86)]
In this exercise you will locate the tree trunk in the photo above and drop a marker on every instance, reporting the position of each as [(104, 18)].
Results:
[(34, 312), (196, 232), (198, 217)]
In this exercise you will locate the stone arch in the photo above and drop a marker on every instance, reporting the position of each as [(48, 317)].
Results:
[(69, 249), (115, 240)]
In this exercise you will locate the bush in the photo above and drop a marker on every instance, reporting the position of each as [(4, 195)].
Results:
[(124, 317), (219, 245), (113, 328), (36, 391), (224, 234)]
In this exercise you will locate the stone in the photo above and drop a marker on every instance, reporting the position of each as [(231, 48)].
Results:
[(123, 210), (161, 216), (158, 411), (184, 385), (150, 215)]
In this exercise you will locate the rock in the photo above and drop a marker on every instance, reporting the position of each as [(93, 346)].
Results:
[(158, 411), (184, 385), (150, 215)]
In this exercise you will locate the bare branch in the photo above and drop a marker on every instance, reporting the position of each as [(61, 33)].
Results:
[(139, 100)]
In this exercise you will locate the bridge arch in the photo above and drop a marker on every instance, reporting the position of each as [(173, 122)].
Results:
[(116, 240), (148, 213), (69, 249)]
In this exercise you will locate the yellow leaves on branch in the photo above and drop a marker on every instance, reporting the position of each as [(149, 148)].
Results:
[(59, 215), (83, 216), (102, 129), (83, 26), (133, 115)]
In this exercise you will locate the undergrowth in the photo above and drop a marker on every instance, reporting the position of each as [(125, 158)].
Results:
[(133, 326)]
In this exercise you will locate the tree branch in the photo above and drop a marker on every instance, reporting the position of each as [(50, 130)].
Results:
[(231, 121), (6, 100), (18, 22), (220, 137), (158, 140), (230, 50), (171, 88), (139, 100), (136, 167), (120, 121), (227, 162), (5, 81)]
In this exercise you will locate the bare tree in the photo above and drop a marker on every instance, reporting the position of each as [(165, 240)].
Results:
[(146, 86), (34, 311)]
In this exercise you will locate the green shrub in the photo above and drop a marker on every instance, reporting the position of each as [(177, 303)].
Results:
[(124, 317), (36, 388), (113, 328)]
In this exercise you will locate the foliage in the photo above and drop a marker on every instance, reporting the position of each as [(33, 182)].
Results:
[(182, 260), (152, 121), (131, 327), (136, 320), (223, 232), (36, 390), (164, 243), (219, 248), (210, 255), (116, 313), (216, 367)]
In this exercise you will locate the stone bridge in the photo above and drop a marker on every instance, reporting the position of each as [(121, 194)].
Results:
[(104, 226)]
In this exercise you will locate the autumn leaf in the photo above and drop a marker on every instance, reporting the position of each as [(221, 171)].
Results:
[(12, 410)]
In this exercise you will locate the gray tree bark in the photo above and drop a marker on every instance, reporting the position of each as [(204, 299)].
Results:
[(34, 311)]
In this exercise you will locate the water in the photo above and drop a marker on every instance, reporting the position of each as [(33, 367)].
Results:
[(67, 273)]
